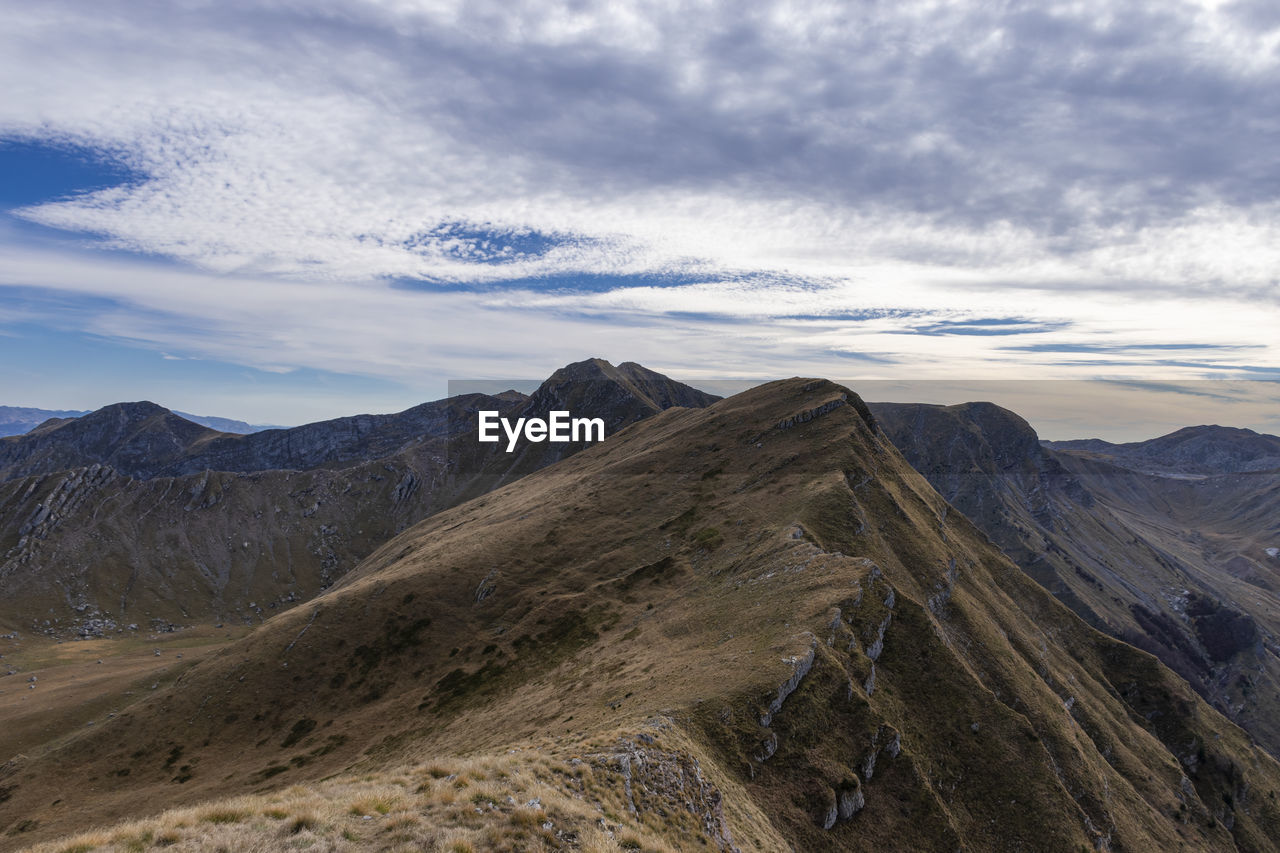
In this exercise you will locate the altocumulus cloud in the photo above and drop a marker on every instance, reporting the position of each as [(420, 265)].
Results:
[(836, 178)]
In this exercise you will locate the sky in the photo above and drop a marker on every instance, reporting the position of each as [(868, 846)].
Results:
[(284, 211)]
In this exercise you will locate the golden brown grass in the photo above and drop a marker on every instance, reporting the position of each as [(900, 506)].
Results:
[(526, 802)]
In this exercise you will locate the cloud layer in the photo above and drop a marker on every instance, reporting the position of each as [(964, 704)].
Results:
[(1080, 189)]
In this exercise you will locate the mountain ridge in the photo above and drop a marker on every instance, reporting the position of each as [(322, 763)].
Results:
[(743, 624), (1205, 450)]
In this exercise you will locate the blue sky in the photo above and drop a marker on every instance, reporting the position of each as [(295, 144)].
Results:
[(280, 212)]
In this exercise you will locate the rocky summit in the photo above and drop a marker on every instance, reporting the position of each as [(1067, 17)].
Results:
[(749, 626)]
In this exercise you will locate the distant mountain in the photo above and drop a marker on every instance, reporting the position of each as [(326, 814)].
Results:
[(134, 438), (226, 424), (1190, 451), (15, 420), (622, 395), (133, 515), (1174, 563), (750, 626), (144, 440)]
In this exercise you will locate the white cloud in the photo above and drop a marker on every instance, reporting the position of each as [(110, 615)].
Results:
[(1104, 170)]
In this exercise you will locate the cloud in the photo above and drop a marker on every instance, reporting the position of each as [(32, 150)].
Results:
[(345, 140), (900, 180)]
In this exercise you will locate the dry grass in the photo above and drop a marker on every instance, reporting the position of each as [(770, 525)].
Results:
[(526, 802)]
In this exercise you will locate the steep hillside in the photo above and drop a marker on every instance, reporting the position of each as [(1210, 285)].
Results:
[(751, 626), (1176, 565), (281, 515), (988, 462), (1216, 592)]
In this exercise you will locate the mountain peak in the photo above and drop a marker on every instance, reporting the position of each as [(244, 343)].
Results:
[(136, 409), (132, 437), (629, 391)]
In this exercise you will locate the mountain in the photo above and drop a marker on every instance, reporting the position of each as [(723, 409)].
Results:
[(15, 420), (988, 463), (1191, 451), (1173, 564), (135, 439), (750, 626), (145, 441), (225, 424), (132, 516)]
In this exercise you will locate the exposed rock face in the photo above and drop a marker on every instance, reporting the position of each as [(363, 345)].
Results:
[(829, 812), (801, 664), (657, 780), (487, 585), (849, 800), (1090, 521)]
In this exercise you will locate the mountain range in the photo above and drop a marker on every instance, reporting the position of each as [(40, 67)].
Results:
[(782, 620), (132, 515), (1199, 451)]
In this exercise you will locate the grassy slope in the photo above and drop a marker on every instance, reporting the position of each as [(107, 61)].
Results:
[(636, 608)]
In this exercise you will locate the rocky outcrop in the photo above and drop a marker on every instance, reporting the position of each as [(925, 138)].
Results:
[(56, 498), (656, 780), (809, 414), (800, 666), (849, 799)]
